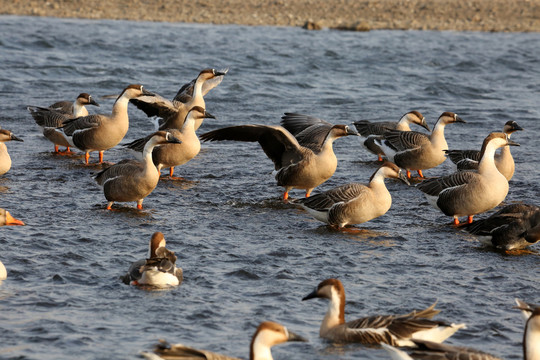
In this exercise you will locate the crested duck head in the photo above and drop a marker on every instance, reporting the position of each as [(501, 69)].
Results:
[(268, 334)]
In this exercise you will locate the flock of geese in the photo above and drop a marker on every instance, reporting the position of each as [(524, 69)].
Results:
[(302, 152)]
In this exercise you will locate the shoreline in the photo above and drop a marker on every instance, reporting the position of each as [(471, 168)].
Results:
[(360, 15)]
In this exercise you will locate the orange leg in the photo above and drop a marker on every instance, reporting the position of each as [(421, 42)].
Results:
[(379, 157), (100, 157), (109, 206), (171, 172), (86, 157), (456, 221), (408, 174), (139, 206), (55, 148), (308, 193), (469, 219), (420, 173), (285, 195)]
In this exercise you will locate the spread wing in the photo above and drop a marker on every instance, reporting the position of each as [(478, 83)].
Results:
[(366, 128), (277, 143), (185, 94), (46, 117), (326, 200), (308, 130), (406, 140), (83, 123), (156, 106)]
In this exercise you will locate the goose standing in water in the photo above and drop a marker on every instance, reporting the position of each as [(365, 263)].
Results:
[(51, 118), (396, 330), (5, 159), (133, 180), (7, 219), (433, 351), (513, 227), (413, 150), (159, 269), (467, 193), (172, 114), (354, 203), (168, 156), (302, 163), (375, 130), (268, 334), (102, 132), (468, 159)]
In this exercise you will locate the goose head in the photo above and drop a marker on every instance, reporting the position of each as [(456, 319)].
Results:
[(338, 131), (198, 112), (415, 117), (208, 74), (448, 117), (134, 91), (6, 135), (267, 335), (391, 170), (86, 99), (511, 127)]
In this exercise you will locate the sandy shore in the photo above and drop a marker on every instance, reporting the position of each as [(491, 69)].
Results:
[(460, 15)]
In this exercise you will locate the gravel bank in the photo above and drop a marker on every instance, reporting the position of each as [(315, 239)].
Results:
[(460, 15)]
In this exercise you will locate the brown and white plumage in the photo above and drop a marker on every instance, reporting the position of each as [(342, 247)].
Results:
[(6, 219), (302, 163), (268, 334), (102, 132), (167, 156), (513, 227), (468, 159), (5, 159), (428, 350), (375, 130), (51, 118), (133, 180), (467, 193), (158, 269), (172, 114), (413, 150), (354, 203), (397, 330)]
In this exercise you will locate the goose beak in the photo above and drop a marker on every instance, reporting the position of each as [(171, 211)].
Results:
[(207, 115), (516, 127), (311, 295), (147, 93), (350, 131), (403, 177), (93, 102), (10, 220), (512, 143), (425, 125), (13, 137), (295, 337), (219, 73), (460, 120)]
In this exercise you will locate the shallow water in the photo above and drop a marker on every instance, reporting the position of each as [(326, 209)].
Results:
[(246, 256)]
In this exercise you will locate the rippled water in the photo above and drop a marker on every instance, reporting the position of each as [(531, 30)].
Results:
[(246, 256)]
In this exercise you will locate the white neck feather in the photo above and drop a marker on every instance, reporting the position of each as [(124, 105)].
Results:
[(487, 163), (261, 349), (532, 339), (332, 316), (79, 110)]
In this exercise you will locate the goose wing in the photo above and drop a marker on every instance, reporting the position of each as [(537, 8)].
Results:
[(82, 123), (46, 117), (134, 272), (277, 143), (429, 350), (65, 107), (406, 140), (178, 351), (308, 130), (125, 168), (459, 155), (366, 128), (446, 184), (326, 200), (156, 106)]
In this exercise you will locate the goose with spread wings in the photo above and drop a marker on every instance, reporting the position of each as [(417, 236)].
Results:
[(302, 162)]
